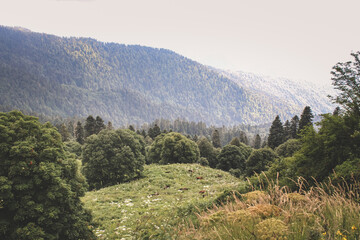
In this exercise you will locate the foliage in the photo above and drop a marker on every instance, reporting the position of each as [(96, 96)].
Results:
[(73, 147), (40, 185), (113, 156), (203, 161), (305, 119), (276, 135), (288, 148), (173, 148), (260, 160), (257, 141), (207, 151), (346, 79), (215, 138), (152, 206), (235, 141), (79, 133), (231, 157)]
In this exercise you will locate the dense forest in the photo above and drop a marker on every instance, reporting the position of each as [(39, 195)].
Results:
[(125, 84)]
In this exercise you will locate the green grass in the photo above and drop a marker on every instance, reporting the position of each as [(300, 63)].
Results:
[(152, 207)]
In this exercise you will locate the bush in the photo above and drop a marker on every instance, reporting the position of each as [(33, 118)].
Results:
[(260, 160), (288, 148), (203, 161), (40, 185), (112, 157), (231, 157), (173, 148)]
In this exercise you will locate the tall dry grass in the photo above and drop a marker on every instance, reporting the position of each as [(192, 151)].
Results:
[(323, 211)]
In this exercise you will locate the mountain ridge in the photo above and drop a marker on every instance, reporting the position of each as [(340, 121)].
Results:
[(127, 84)]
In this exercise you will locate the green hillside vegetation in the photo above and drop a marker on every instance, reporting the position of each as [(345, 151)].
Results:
[(126, 84), (151, 207)]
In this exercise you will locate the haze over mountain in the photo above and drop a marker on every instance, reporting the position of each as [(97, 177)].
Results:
[(131, 84)]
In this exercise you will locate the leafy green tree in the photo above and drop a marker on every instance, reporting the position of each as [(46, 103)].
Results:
[(231, 157), (112, 157), (305, 119), (40, 186), (173, 148), (257, 141), (79, 133), (90, 126), (336, 141), (288, 148), (73, 147), (346, 80), (216, 139), (207, 151), (276, 135), (260, 160)]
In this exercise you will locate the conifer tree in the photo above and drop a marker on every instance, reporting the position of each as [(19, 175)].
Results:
[(294, 127), (79, 133), (90, 126), (109, 126), (257, 142), (156, 131), (99, 124), (65, 135), (287, 131), (131, 128), (243, 138), (235, 141), (276, 136), (305, 119), (216, 139)]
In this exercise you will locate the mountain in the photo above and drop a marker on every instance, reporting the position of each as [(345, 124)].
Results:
[(294, 93), (127, 84)]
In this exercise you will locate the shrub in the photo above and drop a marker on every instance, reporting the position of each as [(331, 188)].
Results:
[(260, 160), (40, 185), (288, 148), (231, 157), (112, 157), (173, 148)]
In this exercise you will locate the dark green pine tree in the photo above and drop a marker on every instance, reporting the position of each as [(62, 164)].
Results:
[(90, 126), (99, 124), (305, 119), (143, 133), (244, 138), (287, 131), (294, 127), (276, 135), (109, 126), (156, 131), (79, 133), (131, 127), (65, 135), (257, 142), (216, 139), (235, 141)]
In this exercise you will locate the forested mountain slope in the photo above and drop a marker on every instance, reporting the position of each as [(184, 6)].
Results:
[(126, 84)]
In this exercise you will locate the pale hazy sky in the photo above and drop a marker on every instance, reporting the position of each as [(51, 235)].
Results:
[(299, 39)]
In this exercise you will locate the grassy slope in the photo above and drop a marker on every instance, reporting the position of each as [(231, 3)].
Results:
[(153, 205)]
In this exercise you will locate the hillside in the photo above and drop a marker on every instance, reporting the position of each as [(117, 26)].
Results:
[(126, 84), (156, 203), (296, 94)]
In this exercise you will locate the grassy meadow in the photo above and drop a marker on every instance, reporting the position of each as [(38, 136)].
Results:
[(153, 206)]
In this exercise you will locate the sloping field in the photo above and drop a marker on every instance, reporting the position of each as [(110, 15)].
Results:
[(150, 207)]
